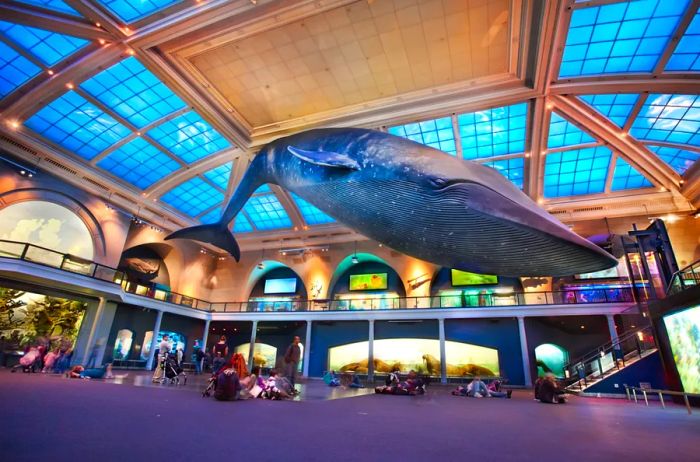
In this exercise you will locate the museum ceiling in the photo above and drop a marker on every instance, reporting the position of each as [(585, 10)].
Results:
[(158, 106)]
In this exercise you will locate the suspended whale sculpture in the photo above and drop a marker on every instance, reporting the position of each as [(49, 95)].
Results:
[(414, 199)]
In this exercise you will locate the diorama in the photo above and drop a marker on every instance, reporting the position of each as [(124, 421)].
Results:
[(684, 336)]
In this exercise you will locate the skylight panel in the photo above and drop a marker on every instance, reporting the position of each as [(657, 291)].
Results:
[(563, 133), (679, 159), (241, 224), (437, 133), (670, 118), (133, 92), (686, 56), (49, 47), (77, 125), (55, 5), (617, 108), (15, 70), (211, 217), (513, 169), (627, 177), (619, 37), (263, 189), (266, 212), (189, 137), (493, 132), (193, 197), (220, 175), (133, 10), (576, 172), (312, 215), (138, 162)]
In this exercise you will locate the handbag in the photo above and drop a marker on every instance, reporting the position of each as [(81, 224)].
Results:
[(256, 391)]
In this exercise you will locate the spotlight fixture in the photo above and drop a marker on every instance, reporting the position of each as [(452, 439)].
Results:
[(354, 259), (261, 265)]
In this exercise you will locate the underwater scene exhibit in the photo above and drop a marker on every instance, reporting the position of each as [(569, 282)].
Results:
[(420, 355), (684, 336), (265, 355), (177, 340), (551, 358)]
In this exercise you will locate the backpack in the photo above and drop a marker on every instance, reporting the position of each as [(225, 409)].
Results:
[(228, 386)]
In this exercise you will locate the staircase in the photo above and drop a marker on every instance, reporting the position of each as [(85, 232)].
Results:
[(609, 359)]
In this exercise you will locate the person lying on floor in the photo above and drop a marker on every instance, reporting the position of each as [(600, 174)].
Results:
[(412, 386), (277, 387), (478, 389), (549, 391), (104, 372), (330, 379)]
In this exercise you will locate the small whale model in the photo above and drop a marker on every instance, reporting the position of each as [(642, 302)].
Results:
[(414, 199)]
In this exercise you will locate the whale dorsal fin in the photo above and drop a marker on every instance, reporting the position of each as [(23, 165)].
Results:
[(325, 158)]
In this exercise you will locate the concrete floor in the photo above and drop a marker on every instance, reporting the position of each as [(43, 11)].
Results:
[(53, 418)]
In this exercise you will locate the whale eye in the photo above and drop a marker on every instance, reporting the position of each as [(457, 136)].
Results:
[(438, 182)]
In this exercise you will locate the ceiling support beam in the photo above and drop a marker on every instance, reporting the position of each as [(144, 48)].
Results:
[(55, 23), (190, 171), (534, 171), (676, 83), (691, 185), (290, 206), (630, 149)]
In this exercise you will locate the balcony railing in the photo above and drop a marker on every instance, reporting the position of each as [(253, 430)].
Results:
[(43, 256), (685, 278)]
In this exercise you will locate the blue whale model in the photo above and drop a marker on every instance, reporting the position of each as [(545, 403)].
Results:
[(414, 199)]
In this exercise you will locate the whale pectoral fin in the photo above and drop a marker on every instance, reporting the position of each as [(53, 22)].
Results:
[(325, 158), (214, 234)]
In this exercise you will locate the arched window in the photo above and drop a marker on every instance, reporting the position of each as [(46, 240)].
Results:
[(122, 345), (551, 358)]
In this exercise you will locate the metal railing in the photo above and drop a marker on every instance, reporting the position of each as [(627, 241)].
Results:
[(684, 278), (43, 256), (610, 357), (660, 393)]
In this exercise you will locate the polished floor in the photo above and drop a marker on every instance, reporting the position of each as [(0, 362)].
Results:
[(53, 418)]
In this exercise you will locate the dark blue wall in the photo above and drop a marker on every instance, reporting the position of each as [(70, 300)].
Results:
[(394, 283), (649, 369), (501, 334), (425, 329), (328, 334), (236, 334)]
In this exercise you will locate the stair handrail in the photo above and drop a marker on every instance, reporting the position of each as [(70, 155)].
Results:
[(608, 346), (693, 268)]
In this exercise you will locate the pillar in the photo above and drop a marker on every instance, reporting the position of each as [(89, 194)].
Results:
[(154, 340), (525, 352), (251, 350), (443, 351), (611, 327), (205, 338), (93, 332), (307, 350), (370, 352)]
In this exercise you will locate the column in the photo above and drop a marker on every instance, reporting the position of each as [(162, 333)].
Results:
[(205, 338), (307, 350), (251, 350), (617, 353), (443, 351), (93, 331), (154, 339), (370, 353), (525, 352)]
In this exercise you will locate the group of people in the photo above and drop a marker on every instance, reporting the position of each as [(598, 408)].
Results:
[(393, 385), (169, 365), (477, 388), (42, 357)]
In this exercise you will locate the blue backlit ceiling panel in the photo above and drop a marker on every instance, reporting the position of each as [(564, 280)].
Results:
[(193, 197), (576, 172), (493, 132), (266, 212), (77, 125), (563, 133), (189, 137), (627, 177), (133, 10), (211, 216), (49, 47), (311, 214), (220, 175), (15, 70), (680, 159), (139, 163), (437, 133), (670, 118), (513, 169), (627, 37), (241, 224), (54, 5), (686, 56), (617, 108), (133, 92)]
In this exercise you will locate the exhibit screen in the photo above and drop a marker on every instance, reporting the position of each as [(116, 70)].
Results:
[(373, 281), (465, 278), (684, 336), (281, 286)]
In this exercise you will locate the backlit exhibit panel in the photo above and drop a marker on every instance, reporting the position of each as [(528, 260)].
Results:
[(383, 301), (465, 278), (373, 281), (281, 286), (551, 358), (265, 355), (177, 342), (420, 355), (684, 336), (122, 345)]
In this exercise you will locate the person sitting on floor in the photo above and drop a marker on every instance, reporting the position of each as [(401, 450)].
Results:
[(275, 387), (550, 392), (28, 362), (538, 387), (228, 386), (50, 361), (330, 379), (251, 385)]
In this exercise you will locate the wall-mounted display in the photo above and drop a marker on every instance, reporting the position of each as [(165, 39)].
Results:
[(265, 355), (281, 286), (385, 301), (271, 304), (177, 341), (373, 281), (684, 336), (551, 358), (122, 345), (465, 278), (420, 355)]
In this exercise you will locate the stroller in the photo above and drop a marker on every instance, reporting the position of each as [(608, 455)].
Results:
[(172, 371)]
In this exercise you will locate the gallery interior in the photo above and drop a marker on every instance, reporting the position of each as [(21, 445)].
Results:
[(507, 189)]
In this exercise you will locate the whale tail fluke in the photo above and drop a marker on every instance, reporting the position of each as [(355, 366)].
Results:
[(215, 234)]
